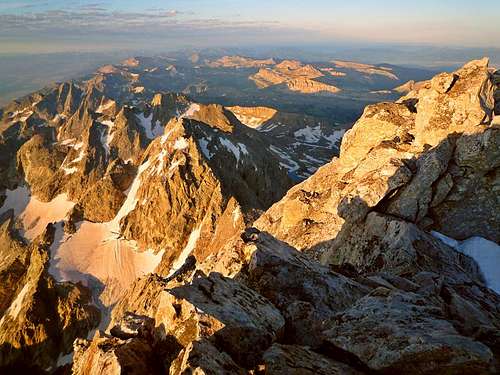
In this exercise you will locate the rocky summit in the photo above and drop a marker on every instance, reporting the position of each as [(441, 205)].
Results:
[(143, 232)]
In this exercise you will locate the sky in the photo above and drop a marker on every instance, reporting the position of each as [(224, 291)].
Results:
[(61, 25)]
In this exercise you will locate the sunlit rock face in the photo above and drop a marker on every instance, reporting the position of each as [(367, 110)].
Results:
[(444, 178)]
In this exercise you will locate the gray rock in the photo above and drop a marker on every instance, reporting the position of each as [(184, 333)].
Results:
[(394, 332), (300, 360)]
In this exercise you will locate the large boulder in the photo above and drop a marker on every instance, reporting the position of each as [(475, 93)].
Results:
[(394, 332), (301, 360), (235, 319), (306, 292)]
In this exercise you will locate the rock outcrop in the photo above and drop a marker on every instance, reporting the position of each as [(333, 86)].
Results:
[(394, 161), (309, 86)]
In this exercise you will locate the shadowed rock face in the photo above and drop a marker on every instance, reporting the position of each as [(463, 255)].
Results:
[(302, 143), (342, 275), (40, 318)]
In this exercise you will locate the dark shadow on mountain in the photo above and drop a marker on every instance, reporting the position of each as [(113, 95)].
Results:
[(15, 360)]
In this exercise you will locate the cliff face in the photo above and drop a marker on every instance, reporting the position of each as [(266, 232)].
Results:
[(350, 272)]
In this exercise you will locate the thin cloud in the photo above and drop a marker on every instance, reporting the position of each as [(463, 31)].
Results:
[(93, 17)]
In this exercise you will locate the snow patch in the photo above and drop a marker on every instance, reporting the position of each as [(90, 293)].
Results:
[(79, 158), (335, 137), (16, 199), (181, 259), (286, 161), (237, 150), (131, 200), (315, 134), (161, 159), (181, 143), (34, 214), (486, 254), (309, 134), (97, 256), (268, 128), (151, 129), (312, 159), (203, 142), (107, 135), (68, 169), (243, 148), (17, 304)]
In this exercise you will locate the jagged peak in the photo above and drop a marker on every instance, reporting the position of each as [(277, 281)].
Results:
[(479, 63), (216, 116)]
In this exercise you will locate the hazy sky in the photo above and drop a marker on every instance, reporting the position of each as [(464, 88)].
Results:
[(52, 25)]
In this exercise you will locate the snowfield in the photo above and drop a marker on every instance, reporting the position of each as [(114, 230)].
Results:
[(181, 259), (95, 256), (486, 253), (33, 213), (98, 257)]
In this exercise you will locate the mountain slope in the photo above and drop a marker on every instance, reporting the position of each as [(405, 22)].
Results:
[(389, 296), (129, 190), (383, 261), (302, 143)]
